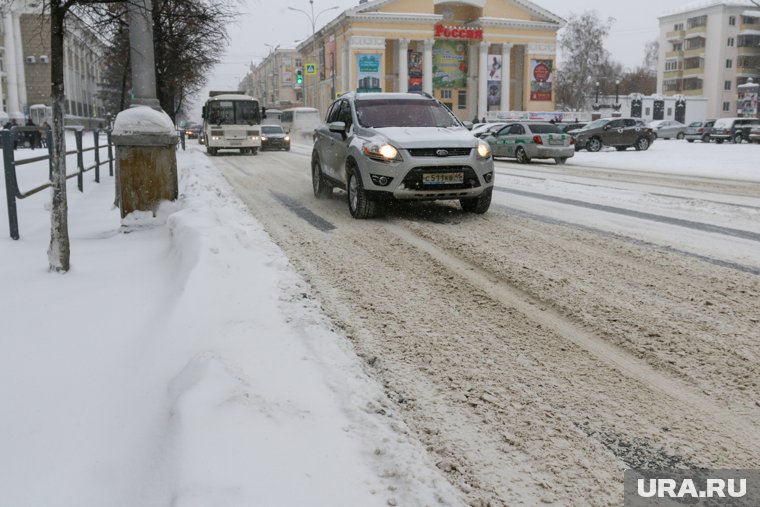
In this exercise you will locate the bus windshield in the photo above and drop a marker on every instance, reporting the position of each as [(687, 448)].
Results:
[(233, 112)]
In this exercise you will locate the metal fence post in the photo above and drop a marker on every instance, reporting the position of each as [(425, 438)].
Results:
[(110, 155), (80, 160), (97, 155), (10, 181)]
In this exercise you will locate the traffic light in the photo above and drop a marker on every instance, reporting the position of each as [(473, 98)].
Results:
[(299, 77)]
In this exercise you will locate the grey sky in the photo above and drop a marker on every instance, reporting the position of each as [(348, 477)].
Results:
[(270, 22)]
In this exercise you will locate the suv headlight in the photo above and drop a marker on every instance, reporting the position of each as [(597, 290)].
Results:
[(381, 152), (484, 150)]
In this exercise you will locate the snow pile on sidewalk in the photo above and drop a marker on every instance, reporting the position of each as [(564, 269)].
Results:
[(182, 362)]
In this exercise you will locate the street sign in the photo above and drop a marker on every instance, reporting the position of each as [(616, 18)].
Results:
[(311, 69)]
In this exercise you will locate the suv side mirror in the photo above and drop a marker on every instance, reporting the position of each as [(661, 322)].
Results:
[(606, 127), (337, 126)]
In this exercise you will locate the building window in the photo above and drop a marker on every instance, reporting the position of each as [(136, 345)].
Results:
[(727, 85), (732, 20), (446, 94), (299, 63), (695, 22), (730, 42), (672, 65), (462, 103), (750, 20), (729, 63), (678, 27), (726, 106), (677, 46)]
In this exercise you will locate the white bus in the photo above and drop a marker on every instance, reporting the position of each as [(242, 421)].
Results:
[(300, 121), (231, 122)]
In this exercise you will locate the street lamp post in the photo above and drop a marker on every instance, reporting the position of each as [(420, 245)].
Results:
[(617, 89), (597, 93), (313, 20)]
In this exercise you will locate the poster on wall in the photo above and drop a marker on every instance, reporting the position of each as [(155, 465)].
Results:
[(494, 67), (368, 73), (287, 78), (449, 64), (541, 80), (415, 71), (494, 93)]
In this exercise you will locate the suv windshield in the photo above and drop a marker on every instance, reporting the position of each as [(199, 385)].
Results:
[(271, 130), (403, 113)]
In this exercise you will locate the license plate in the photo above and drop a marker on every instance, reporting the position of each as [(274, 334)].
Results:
[(442, 178), (556, 141), (234, 143)]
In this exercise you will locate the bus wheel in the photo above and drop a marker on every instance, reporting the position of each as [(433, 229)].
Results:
[(254, 150)]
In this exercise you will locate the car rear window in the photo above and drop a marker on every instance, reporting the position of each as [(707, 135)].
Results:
[(542, 128), (723, 123), (695, 124)]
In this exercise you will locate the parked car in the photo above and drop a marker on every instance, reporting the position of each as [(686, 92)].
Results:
[(699, 130), (485, 129), (622, 133), (193, 131), (668, 129), (405, 146), (754, 134), (732, 129), (274, 137), (526, 140)]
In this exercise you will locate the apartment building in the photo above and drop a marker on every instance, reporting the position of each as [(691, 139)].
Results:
[(708, 49), (274, 80), (25, 62)]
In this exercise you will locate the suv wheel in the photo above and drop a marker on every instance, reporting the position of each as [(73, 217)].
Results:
[(359, 204), (478, 204), (521, 156), (738, 138), (594, 144), (322, 189), (642, 144)]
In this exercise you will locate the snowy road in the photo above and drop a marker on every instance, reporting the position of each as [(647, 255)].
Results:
[(592, 321)]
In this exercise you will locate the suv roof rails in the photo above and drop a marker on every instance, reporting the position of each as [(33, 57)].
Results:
[(424, 94)]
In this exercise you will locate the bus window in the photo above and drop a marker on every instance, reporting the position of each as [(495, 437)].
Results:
[(247, 113)]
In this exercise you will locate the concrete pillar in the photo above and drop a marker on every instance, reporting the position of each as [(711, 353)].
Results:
[(143, 59), (10, 64), (472, 81), (483, 80), (403, 65), (506, 65), (20, 63), (347, 66), (427, 67)]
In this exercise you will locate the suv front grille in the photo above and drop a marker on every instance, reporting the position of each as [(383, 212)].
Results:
[(413, 179), (433, 152)]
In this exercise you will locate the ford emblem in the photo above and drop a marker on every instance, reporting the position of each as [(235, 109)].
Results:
[(442, 153)]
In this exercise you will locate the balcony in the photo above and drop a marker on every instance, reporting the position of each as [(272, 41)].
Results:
[(697, 30), (672, 74), (748, 51), (675, 35), (690, 53), (695, 72), (692, 93), (673, 54)]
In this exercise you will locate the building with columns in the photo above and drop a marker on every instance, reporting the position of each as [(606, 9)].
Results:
[(25, 62), (476, 56)]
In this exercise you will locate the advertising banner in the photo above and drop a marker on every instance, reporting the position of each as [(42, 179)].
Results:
[(449, 64), (541, 80), (494, 93), (494, 67), (287, 77), (368, 73), (415, 71)]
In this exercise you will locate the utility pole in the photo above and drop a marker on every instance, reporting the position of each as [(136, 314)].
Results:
[(141, 53)]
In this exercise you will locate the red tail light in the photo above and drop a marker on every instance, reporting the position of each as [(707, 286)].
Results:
[(572, 140), (537, 139), (701, 130)]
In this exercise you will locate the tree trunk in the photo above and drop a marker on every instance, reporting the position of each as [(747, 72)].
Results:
[(59, 249)]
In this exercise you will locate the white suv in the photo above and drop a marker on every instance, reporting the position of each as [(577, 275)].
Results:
[(383, 146)]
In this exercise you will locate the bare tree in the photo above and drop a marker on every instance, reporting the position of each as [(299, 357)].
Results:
[(584, 56), (651, 55)]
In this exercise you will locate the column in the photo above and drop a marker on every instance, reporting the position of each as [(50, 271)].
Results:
[(347, 66), (10, 64), (427, 67), (483, 80), (403, 65), (506, 65), (472, 81), (20, 64)]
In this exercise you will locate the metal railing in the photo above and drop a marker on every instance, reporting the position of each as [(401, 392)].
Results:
[(10, 139)]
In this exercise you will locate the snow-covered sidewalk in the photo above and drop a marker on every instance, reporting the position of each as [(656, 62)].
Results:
[(182, 362)]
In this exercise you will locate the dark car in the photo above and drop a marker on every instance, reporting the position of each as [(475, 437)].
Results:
[(622, 133), (273, 137), (699, 130), (193, 131), (733, 129), (567, 127)]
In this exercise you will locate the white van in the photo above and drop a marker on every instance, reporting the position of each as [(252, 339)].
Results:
[(300, 121)]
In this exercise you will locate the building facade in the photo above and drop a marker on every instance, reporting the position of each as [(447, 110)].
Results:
[(274, 80), (25, 64), (708, 51), (475, 56)]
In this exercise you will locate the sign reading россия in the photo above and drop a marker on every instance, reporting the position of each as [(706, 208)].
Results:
[(458, 32)]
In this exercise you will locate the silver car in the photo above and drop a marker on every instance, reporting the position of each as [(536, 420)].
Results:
[(527, 140), (699, 131), (407, 146), (668, 129)]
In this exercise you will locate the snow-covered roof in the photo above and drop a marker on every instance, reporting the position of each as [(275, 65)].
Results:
[(703, 4)]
